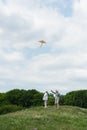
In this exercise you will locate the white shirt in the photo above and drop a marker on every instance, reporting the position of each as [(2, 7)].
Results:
[(45, 97)]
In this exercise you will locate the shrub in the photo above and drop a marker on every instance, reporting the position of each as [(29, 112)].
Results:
[(76, 98), (9, 108)]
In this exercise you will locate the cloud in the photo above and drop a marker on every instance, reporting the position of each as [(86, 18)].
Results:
[(61, 63)]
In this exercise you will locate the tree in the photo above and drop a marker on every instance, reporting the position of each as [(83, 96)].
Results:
[(76, 98), (14, 96)]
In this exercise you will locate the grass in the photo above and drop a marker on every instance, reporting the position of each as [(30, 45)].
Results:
[(64, 118)]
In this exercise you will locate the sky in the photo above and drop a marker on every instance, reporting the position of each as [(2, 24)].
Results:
[(61, 63)]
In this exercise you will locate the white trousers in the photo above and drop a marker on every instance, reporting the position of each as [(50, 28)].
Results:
[(45, 103)]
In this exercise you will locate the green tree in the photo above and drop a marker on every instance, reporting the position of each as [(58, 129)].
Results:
[(3, 99), (76, 98), (14, 96)]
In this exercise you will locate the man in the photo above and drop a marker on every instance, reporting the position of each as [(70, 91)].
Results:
[(57, 96)]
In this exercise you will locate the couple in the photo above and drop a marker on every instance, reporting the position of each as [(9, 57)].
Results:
[(56, 95)]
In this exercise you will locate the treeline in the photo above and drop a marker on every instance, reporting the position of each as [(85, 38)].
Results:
[(16, 99), (76, 98)]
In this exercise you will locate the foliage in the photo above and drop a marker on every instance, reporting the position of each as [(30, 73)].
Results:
[(3, 99), (14, 96), (51, 99), (76, 98), (9, 108), (25, 98)]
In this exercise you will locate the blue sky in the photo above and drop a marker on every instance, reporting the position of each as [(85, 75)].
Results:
[(59, 64)]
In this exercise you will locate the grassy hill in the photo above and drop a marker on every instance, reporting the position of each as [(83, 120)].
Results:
[(64, 118)]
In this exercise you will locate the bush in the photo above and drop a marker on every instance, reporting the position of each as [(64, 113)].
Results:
[(9, 108), (76, 98), (25, 98), (3, 99), (51, 99)]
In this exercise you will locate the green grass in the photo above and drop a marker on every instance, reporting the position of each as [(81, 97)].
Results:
[(64, 118)]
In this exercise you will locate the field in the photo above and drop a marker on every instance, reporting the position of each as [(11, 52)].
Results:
[(39, 118)]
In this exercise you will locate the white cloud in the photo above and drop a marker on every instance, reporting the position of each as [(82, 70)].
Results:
[(60, 64), (80, 7)]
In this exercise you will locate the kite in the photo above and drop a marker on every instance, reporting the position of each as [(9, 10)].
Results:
[(42, 42)]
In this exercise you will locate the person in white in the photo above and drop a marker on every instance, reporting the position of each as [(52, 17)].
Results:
[(45, 98), (57, 96)]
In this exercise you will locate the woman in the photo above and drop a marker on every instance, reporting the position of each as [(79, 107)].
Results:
[(45, 98)]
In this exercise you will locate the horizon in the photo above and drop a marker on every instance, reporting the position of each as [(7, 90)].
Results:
[(44, 91)]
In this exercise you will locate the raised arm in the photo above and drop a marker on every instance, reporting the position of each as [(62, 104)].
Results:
[(52, 91)]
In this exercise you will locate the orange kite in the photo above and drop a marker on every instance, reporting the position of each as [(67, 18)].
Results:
[(42, 42)]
